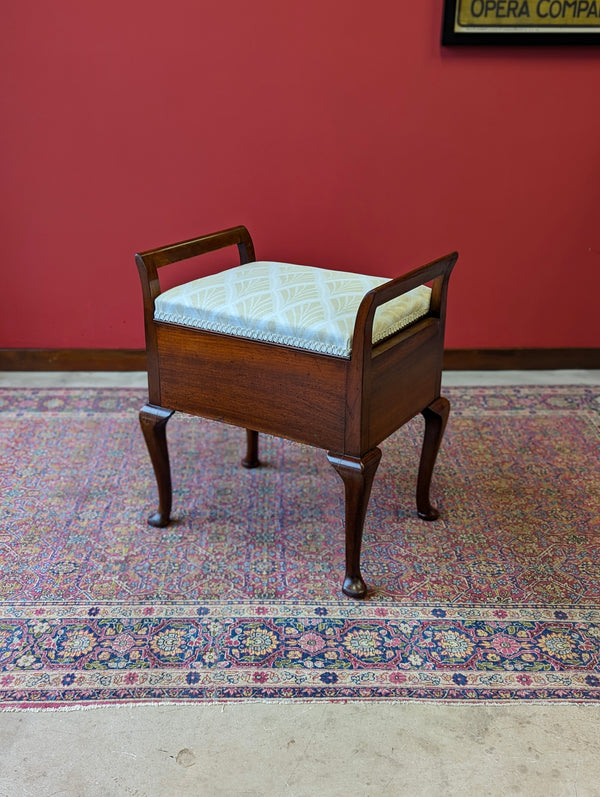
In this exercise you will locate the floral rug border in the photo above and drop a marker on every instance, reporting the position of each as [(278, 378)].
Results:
[(118, 653)]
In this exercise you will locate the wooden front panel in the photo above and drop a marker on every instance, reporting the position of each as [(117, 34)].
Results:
[(262, 386)]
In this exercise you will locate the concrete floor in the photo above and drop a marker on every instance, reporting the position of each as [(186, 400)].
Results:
[(250, 750), (303, 750)]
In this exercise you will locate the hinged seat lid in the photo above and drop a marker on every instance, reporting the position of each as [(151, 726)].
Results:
[(302, 306)]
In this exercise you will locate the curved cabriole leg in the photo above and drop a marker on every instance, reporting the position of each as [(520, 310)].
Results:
[(436, 416), (357, 475), (153, 421), (251, 459)]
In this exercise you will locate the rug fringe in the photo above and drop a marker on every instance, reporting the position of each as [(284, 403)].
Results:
[(223, 704)]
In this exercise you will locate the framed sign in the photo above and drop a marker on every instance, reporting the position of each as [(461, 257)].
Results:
[(521, 22)]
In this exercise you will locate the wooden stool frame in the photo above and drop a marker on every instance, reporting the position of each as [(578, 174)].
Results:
[(346, 406)]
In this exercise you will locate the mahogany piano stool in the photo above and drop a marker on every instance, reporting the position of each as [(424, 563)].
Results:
[(297, 382)]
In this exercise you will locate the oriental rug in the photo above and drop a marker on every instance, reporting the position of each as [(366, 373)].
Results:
[(239, 598)]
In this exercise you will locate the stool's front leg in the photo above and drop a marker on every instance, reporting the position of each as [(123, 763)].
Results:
[(357, 475), (153, 421), (436, 417)]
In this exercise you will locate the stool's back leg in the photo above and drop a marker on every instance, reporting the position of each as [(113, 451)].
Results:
[(251, 459), (357, 475), (436, 417), (153, 421)]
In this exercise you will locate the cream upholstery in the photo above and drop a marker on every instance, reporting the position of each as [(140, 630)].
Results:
[(310, 308)]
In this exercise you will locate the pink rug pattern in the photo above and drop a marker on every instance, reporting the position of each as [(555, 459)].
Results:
[(239, 599)]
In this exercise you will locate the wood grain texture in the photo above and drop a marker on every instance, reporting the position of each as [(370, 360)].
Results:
[(274, 389), (72, 359)]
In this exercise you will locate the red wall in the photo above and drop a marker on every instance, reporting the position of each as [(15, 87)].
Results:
[(338, 131)]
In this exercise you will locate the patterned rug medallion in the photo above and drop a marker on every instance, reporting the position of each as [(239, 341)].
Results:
[(239, 599)]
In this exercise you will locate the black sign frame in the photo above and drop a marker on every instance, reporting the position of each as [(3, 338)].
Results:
[(494, 35)]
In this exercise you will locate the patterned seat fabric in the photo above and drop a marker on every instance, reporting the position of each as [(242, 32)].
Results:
[(310, 308)]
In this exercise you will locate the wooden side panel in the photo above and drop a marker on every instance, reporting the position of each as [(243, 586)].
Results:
[(404, 380), (261, 386)]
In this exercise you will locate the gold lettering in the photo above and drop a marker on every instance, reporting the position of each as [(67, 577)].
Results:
[(528, 13)]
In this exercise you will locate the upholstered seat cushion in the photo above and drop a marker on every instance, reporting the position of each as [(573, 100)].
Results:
[(310, 308)]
